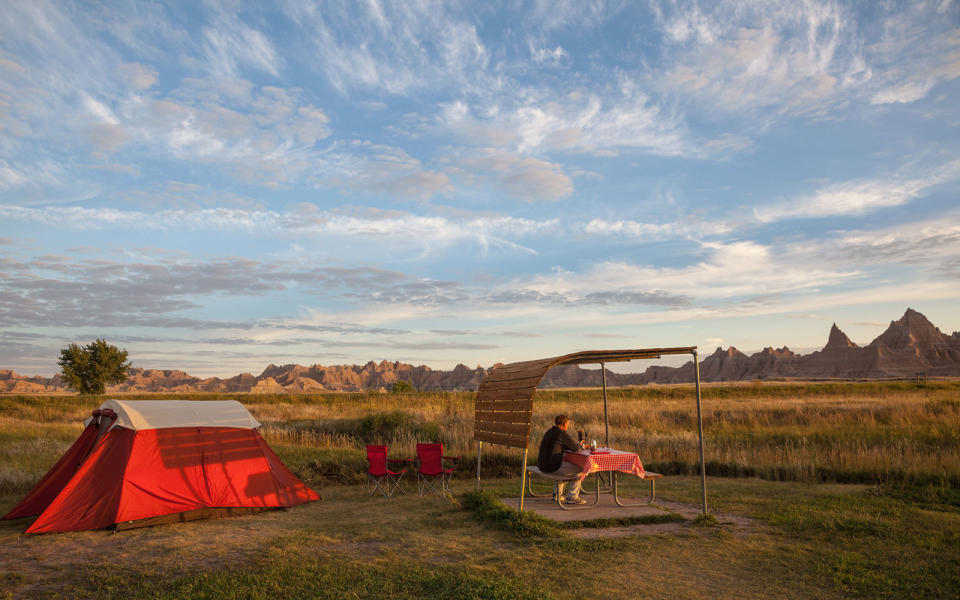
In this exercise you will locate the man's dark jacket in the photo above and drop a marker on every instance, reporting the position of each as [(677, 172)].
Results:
[(554, 442)]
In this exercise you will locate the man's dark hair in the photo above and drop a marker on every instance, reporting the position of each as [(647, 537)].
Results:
[(561, 419)]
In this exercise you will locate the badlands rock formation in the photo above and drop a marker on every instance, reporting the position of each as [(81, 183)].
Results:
[(910, 346)]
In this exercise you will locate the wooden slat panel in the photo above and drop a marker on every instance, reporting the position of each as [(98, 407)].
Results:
[(522, 404), (521, 376), (510, 428), (503, 417), (510, 384), (514, 441), (517, 394)]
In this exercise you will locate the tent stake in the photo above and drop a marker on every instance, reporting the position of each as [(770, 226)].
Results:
[(703, 466)]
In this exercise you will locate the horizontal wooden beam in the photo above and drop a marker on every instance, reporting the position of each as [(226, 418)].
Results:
[(514, 441), (502, 416), (516, 394), (523, 404), (510, 384), (508, 428)]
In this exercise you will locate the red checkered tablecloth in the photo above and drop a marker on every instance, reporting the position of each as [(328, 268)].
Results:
[(606, 459)]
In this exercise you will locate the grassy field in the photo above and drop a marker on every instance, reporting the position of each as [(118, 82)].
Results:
[(822, 491)]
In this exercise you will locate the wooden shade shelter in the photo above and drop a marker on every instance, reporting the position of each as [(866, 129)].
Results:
[(504, 404)]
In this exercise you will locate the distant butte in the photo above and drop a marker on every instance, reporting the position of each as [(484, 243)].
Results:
[(909, 346)]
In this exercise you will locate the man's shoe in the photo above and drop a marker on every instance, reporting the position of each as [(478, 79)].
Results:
[(576, 500)]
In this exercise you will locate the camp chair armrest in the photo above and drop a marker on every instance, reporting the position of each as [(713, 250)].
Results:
[(450, 457)]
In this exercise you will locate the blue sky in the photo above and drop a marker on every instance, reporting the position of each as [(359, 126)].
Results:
[(216, 186)]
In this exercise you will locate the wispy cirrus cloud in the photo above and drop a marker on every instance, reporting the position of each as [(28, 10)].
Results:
[(687, 227), (730, 270), (929, 245), (389, 171), (419, 46), (620, 117), (524, 178), (230, 45), (70, 292), (303, 219), (858, 196), (263, 133), (806, 59)]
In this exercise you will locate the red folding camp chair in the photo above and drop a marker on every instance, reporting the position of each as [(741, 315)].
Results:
[(381, 478), (430, 470)]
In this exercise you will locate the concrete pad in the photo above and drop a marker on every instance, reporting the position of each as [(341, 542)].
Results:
[(606, 509)]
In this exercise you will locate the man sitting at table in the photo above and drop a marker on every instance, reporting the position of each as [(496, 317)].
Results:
[(550, 458)]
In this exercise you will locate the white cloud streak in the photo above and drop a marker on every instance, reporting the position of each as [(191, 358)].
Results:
[(731, 270), (420, 45), (776, 58), (304, 220), (858, 196)]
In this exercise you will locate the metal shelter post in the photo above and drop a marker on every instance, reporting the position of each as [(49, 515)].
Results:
[(523, 477), (606, 420), (703, 465), (479, 454)]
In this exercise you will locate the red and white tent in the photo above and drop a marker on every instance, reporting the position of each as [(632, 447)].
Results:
[(146, 462)]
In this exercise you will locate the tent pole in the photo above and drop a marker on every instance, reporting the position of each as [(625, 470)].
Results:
[(606, 419), (703, 466), (479, 454), (523, 477)]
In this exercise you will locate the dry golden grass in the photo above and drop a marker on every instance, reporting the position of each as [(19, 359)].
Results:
[(861, 433)]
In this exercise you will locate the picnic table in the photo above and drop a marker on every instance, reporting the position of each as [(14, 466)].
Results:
[(605, 459), (599, 461)]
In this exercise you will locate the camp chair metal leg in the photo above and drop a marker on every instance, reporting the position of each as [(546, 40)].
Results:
[(396, 485), (376, 486), (439, 484), (616, 494)]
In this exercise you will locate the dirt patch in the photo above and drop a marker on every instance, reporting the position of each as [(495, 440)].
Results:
[(738, 525), (616, 532), (48, 564)]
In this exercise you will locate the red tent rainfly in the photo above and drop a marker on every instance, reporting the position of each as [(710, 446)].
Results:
[(147, 462)]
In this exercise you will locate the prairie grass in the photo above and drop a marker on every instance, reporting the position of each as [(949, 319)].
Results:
[(889, 432)]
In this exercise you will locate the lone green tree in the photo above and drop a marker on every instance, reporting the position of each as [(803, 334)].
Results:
[(89, 369), (402, 387)]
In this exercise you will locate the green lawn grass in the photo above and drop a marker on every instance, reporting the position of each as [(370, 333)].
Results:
[(804, 541)]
